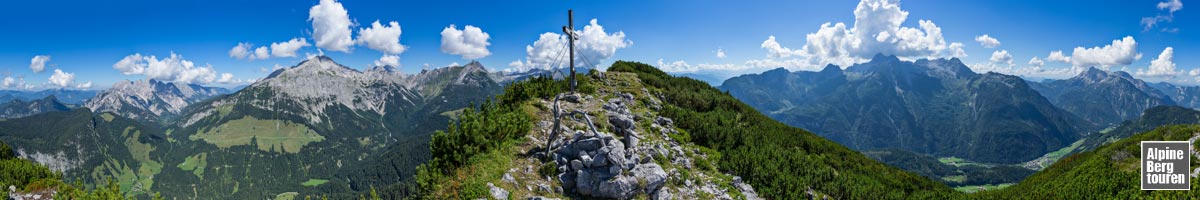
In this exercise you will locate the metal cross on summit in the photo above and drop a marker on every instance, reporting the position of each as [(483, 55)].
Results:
[(569, 30)]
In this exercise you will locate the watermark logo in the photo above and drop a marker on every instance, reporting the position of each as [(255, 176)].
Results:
[(1165, 165)]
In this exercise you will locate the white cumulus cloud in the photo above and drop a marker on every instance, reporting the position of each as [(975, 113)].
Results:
[(1120, 52), (388, 60), (84, 85), (382, 38), (241, 51), (9, 81), (1057, 56), (331, 26), (226, 78), (876, 29), (16, 83), (1001, 56), (677, 66), (131, 65), (1171, 5), (62, 79), (173, 68), (774, 50), (261, 53), (987, 41), (288, 48), (594, 45), (470, 42), (1163, 66), (276, 49), (1036, 62), (720, 53), (38, 63)]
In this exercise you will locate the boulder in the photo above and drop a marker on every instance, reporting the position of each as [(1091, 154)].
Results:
[(497, 192), (627, 96), (653, 174), (573, 98), (615, 155), (663, 121), (589, 144), (567, 178), (621, 187), (508, 178), (616, 144), (662, 195), (631, 140), (576, 165), (586, 160), (599, 161), (620, 121), (583, 182)]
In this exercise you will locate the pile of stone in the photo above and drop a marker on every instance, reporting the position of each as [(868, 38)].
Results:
[(622, 119), (597, 164)]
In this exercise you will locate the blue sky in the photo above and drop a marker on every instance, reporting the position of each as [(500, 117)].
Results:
[(86, 39)]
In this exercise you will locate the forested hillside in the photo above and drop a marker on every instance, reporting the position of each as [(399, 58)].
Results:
[(1110, 172)]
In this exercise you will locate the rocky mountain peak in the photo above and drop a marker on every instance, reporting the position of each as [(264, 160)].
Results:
[(1092, 75), (474, 66), (149, 98), (777, 71), (830, 68), (880, 58), (948, 68)]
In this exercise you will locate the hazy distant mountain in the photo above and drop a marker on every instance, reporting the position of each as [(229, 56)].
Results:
[(937, 107), (150, 99), (1101, 97), (506, 77), (21, 108), (711, 79), (63, 95), (1186, 96)]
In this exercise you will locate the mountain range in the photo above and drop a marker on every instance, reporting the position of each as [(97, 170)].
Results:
[(150, 99), (939, 107), (317, 127), (1101, 97), (20, 108), (66, 96)]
